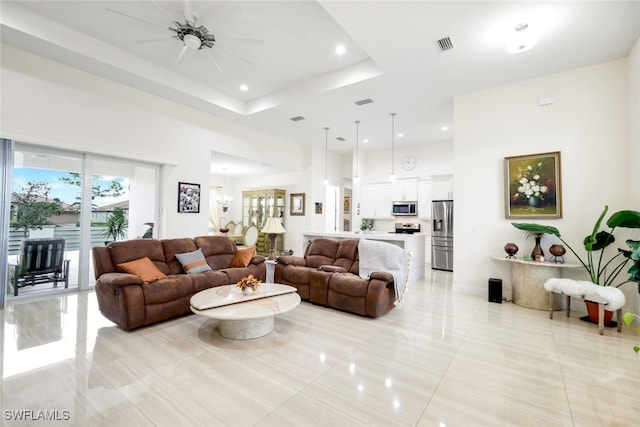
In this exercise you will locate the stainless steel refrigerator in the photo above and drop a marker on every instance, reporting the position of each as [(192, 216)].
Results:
[(442, 235)]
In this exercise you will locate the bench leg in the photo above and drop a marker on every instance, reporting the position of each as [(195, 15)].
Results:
[(550, 305), (600, 318), (568, 305), (619, 319)]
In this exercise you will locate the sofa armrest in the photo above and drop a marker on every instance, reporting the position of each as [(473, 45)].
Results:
[(257, 259), (120, 279), (384, 276), (332, 269), (292, 260)]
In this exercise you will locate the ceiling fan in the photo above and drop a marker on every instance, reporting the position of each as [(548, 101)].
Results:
[(191, 34)]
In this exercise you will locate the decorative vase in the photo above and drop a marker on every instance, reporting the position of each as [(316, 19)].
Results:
[(511, 249), (533, 201), (592, 311), (537, 252), (557, 251), (248, 290)]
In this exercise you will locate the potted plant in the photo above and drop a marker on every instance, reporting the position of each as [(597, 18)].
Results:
[(116, 226), (366, 225), (602, 270)]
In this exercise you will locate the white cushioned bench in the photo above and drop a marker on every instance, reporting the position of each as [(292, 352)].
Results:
[(608, 297)]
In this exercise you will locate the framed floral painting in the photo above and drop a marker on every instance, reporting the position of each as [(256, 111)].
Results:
[(532, 186)]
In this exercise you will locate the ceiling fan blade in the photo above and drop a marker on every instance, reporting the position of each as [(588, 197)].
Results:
[(213, 61), (138, 18), (188, 11), (184, 50), (240, 58), (257, 42), (166, 12)]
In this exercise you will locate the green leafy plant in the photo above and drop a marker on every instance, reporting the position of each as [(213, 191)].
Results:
[(628, 320), (33, 208), (366, 224), (602, 271), (116, 225)]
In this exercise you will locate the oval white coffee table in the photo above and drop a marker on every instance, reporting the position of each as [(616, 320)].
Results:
[(243, 316)]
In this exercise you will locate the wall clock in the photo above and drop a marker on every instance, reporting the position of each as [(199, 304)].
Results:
[(409, 162)]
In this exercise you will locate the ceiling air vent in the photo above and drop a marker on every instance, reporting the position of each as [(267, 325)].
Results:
[(339, 138), (364, 101), (445, 44), (297, 118)]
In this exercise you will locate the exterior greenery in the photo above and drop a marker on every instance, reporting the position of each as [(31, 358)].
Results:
[(602, 271), (33, 207), (116, 225)]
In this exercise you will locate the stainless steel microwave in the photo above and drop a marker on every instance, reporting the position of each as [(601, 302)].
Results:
[(404, 208)]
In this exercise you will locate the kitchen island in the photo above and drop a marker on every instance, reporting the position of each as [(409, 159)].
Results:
[(413, 243)]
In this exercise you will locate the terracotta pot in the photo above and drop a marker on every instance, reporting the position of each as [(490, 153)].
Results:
[(592, 311)]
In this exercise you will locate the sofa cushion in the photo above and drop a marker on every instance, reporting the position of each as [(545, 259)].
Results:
[(170, 289), (242, 258), (129, 250), (143, 268), (321, 252), (217, 250), (193, 262), (171, 247), (347, 253)]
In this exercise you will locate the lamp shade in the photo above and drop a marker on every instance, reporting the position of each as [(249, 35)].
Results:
[(273, 226)]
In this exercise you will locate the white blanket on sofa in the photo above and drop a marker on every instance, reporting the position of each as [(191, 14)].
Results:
[(381, 256)]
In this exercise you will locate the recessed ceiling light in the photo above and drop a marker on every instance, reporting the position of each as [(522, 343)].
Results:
[(244, 87), (365, 141), (521, 39), (443, 128), (340, 49), (401, 135)]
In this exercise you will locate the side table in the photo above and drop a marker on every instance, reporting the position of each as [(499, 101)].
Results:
[(527, 281), (271, 269)]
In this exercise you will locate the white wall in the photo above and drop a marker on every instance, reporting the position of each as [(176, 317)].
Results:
[(588, 123), (54, 105), (634, 126)]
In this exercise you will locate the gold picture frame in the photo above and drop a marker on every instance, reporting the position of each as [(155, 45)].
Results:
[(296, 207), (532, 185)]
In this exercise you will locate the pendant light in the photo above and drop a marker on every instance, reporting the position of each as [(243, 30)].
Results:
[(392, 177), (356, 177), (326, 155)]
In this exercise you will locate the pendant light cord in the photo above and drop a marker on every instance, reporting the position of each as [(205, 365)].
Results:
[(393, 142), (357, 122), (326, 153)]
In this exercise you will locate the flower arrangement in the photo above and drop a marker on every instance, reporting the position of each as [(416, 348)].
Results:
[(248, 282), (531, 183)]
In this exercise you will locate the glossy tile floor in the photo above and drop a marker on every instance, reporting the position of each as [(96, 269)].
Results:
[(442, 359)]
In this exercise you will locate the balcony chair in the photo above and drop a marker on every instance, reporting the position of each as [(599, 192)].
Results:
[(41, 261)]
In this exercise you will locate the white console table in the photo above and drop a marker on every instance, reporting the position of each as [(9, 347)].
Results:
[(527, 280)]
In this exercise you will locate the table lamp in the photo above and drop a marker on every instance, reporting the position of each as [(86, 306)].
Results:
[(273, 227)]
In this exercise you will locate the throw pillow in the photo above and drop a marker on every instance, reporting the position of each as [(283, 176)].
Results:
[(143, 268), (243, 257), (193, 262)]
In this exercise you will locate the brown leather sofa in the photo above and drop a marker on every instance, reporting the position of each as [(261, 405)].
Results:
[(328, 275), (127, 300)]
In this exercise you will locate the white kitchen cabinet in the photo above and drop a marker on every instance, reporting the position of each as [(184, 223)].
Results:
[(442, 187), (404, 190), (424, 199), (376, 201)]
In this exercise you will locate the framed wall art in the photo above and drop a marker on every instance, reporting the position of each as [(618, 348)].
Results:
[(188, 197), (533, 186), (296, 207)]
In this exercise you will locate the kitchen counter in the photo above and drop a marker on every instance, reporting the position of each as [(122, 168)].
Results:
[(415, 243)]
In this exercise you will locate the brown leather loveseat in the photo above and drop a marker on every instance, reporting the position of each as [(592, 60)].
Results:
[(131, 301), (328, 275)]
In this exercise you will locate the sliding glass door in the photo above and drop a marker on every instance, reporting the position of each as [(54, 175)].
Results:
[(80, 199)]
